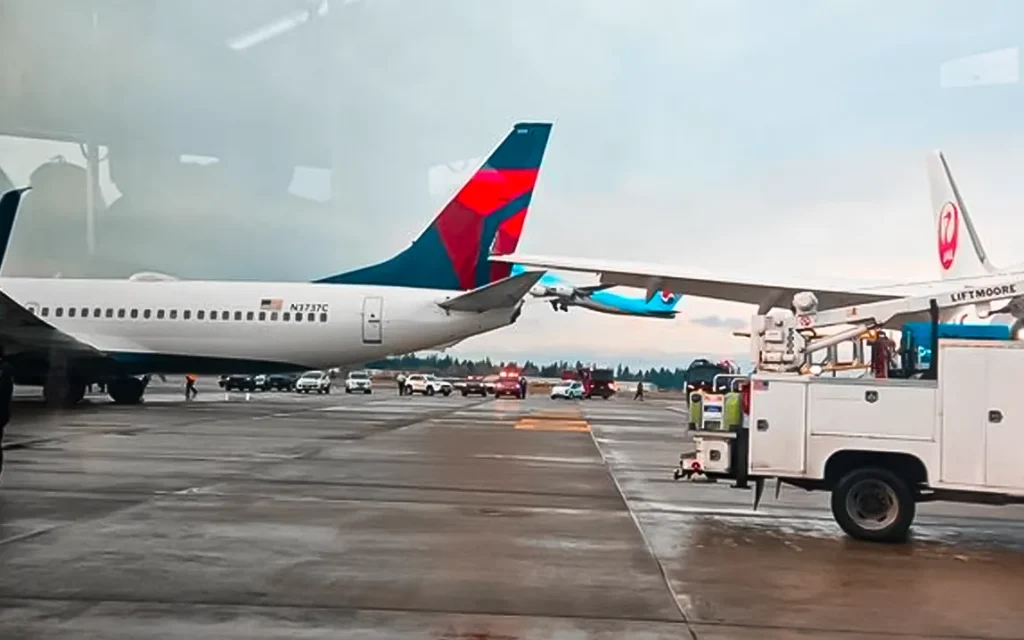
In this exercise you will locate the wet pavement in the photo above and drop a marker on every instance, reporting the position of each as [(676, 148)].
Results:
[(386, 517)]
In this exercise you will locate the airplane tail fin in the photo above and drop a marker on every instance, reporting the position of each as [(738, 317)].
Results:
[(663, 302), (10, 202), (960, 252), (486, 216)]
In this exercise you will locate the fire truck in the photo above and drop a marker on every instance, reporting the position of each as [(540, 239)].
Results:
[(596, 381), (508, 383)]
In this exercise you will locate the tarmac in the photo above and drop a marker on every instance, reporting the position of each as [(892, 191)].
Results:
[(382, 516)]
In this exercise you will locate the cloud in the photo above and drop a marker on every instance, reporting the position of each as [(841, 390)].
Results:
[(718, 322)]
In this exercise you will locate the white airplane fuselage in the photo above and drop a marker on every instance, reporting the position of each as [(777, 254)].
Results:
[(338, 325)]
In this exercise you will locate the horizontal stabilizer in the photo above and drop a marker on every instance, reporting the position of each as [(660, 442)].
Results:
[(505, 293)]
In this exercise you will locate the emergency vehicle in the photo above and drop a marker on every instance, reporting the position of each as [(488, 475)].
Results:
[(941, 418), (509, 383), (596, 381)]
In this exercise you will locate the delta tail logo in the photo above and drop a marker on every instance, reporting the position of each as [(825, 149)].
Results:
[(949, 232)]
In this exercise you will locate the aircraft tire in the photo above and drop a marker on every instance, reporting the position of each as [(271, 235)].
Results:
[(126, 390)]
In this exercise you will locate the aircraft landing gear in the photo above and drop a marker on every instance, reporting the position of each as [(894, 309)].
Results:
[(63, 390), (127, 390)]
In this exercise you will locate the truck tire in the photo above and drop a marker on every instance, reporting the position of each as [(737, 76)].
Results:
[(874, 504), (430, 391)]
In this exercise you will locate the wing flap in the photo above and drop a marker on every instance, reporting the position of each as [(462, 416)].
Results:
[(504, 293), (654, 277)]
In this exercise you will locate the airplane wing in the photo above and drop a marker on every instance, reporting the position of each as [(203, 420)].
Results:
[(653, 277), (22, 331), (504, 293), (593, 288)]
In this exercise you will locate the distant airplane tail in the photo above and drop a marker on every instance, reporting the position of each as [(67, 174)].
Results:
[(10, 202), (663, 302), (959, 249), (486, 216)]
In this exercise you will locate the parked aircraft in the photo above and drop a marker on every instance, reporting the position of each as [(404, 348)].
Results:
[(562, 294), (961, 267), (66, 333)]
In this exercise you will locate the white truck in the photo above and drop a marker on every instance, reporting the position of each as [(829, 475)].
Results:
[(878, 444)]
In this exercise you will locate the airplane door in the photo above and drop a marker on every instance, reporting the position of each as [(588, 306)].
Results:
[(373, 315)]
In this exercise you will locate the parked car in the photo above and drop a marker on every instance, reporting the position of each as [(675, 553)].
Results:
[(243, 382), (474, 384), (318, 381), (427, 384), (358, 381), (568, 390), (282, 381)]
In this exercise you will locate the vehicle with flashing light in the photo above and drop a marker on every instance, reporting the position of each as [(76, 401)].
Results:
[(509, 383)]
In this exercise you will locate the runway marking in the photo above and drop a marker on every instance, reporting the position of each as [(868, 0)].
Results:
[(554, 420)]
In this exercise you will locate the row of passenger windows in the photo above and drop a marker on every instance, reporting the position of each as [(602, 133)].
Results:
[(186, 314)]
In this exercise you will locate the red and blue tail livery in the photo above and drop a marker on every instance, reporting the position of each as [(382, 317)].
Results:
[(486, 216)]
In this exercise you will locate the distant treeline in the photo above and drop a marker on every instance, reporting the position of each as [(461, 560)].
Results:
[(664, 378)]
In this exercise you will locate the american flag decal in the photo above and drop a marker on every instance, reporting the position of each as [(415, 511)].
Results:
[(759, 385), (271, 304)]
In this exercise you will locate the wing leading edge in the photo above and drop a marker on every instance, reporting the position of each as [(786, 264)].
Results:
[(653, 277)]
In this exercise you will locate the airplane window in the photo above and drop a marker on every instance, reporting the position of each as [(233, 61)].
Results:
[(186, 314), (120, 313), (298, 317), (323, 317), (311, 317), (249, 315), (59, 311), (110, 313), (97, 312), (200, 314), (273, 316), (213, 315), (71, 312), (286, 316), (135, 313), (263, 316), (173, 314), (85, 312), (45, 312), (146, 314), (238, 315), (159, 314), (225, 315)]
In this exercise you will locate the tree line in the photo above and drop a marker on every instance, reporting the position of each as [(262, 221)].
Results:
[(444, 365)]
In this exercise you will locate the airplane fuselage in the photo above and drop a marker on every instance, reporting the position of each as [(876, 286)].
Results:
[(229, 327)]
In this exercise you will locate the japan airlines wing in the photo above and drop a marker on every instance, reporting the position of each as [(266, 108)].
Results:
[(653, 277), (503, 293)]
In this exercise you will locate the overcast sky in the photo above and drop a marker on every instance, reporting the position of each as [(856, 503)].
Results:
[(763, 137)]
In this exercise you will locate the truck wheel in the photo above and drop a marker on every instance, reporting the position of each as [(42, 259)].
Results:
[(430, 391), (874, 504)]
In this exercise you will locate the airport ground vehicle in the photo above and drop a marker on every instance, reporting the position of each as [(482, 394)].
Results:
[(701, 375), (509, 383), (596, 382), (318, 381), (568, 390), (901, 434), (475, 385), (427, 384), (358, 381)]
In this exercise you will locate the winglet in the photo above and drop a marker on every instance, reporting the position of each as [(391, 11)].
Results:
[(9, 205), (504, 293)]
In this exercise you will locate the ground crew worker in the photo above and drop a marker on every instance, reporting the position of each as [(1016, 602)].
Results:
[(522, 387), (639, 395), (190, 386), (400, 378)]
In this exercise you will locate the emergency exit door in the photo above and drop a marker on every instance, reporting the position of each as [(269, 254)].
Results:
[(373, 315)]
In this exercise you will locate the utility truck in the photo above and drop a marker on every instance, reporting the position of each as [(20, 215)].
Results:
[(940, 419)]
